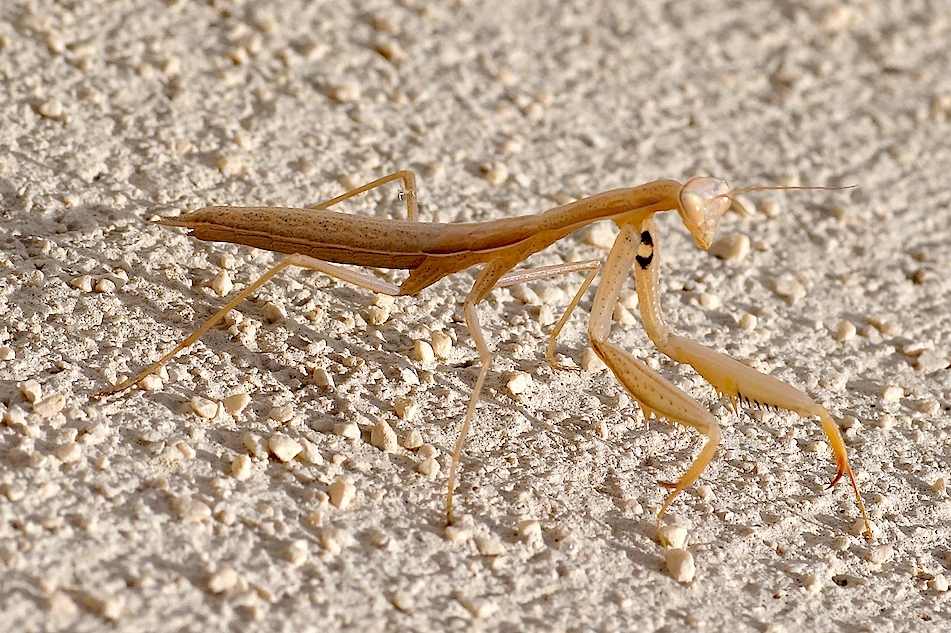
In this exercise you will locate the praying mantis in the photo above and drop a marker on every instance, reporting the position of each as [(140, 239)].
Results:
[(320, 239)]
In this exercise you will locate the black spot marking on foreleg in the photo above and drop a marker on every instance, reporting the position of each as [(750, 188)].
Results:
[(645, 250)]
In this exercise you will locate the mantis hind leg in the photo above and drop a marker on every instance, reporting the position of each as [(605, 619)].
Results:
[(407, 193)]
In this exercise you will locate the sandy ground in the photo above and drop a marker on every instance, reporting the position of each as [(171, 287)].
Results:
[(139, 514)]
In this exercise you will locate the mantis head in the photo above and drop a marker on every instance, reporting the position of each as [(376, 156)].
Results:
[(701, 203)]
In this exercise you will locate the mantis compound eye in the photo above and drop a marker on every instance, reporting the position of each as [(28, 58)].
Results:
[(702, 201)]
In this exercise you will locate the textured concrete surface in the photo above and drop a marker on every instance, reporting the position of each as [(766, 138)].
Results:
[(137, 513)]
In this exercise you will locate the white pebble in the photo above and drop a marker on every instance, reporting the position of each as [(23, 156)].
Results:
[(879, 554), (255, 445), (403, 601), (223, 580), (203, 407), (349, 430), (378, 315), (591, 362), (892, 393), (68, 453), (488, 546), (441, 344), (335, 540), (672, 536), (383, 437), (789, 288), (406, 408), (105, 286), (939, 583), (311, 453), (283, 447), (323, 379), (296, 553), (152, 382), (7, 353), (748, 321), (496, 173), (241, 468), (732, 247), (82, 283), (529, 531), (423, 352), (221, 284), (274, 312), (518, 383), (236, 403), (601, 235), (50, 405), (31, 390), (709, 301), (342, 493), (282, 414), (680, 564), (845, 331), (412, 440), (428, 467)]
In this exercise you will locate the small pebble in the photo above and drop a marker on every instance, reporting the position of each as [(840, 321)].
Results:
[(601, 235), (384, 438), (412, 440), (441, 344), (349, 430), (939, 583), (31, 390), (591, 362), (241, 468), (282, 414), (709, 301), (82, 283), (311, 453), (223, 580), (403, 601), (929, 407), (378, 315), (748, 321), (335, 540), (879, 554), (50, 405), (105, 286), (529, 531), (283, 447), (496, 173), (930, 361), (680, 564), (111, 608), (518, 383), (342, 493), (274, 312), (255, 445), (789, 288), (940, 486), (323, 379), (6, 353), (203, 407), (221, 284), (423, 352), (236, 403), (892, 393), (68, 453), (488, 546), (672, 536), (845, 331), (296, 553), (731, 247), (428, 467), (152, 382), (406, 408)]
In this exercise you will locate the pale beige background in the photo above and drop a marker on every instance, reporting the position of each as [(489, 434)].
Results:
[(120, 514)]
